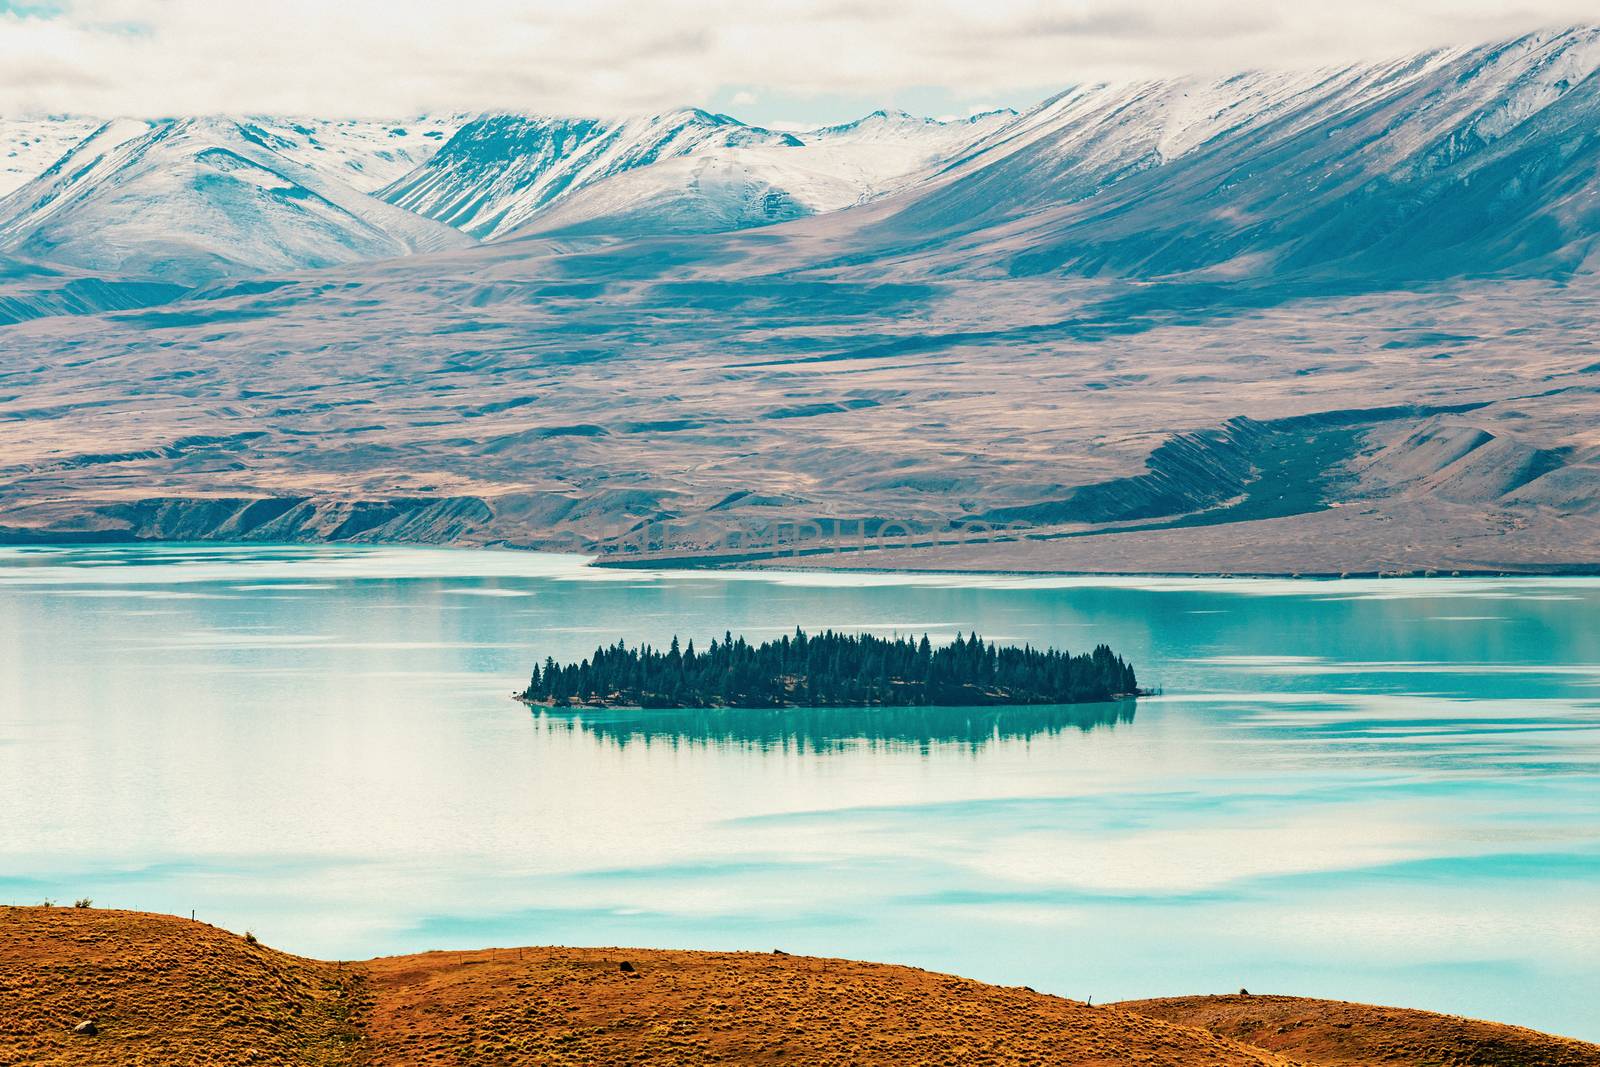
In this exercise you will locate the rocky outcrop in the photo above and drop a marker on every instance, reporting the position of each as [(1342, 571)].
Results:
[(287, 519)]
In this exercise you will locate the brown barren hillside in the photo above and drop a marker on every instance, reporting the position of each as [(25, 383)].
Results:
[(163, 990), (1335, 1033), (578, 1006)]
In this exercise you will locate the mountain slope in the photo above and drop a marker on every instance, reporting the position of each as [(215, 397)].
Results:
[(1342, 1034), (193, 199), (888, 148), (29, 146), (683, 172), (363, 153), (1467, 160), (717, 189), (498, 171), (730, 190)]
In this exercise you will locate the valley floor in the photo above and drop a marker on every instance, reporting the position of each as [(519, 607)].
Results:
[(160, 989), (504, 405)]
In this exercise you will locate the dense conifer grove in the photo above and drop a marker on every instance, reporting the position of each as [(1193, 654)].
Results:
[(831, 670)]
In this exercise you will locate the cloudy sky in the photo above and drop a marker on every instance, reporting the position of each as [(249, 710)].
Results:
[(780, 62)]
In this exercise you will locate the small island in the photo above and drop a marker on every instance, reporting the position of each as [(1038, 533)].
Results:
[(831, 670)]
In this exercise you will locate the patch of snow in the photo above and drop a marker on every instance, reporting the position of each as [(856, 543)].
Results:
[(193, 199), (365, 154), (29, 146), (684, 171)]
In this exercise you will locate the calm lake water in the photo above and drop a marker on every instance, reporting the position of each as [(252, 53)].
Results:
[(1369, 790)]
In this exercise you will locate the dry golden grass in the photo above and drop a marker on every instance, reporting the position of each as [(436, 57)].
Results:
[(1334, 1033), (164, 990), (576, 1006)]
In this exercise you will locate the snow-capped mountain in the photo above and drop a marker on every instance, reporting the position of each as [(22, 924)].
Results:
[(888, 148), (28, 146), (498, 171), (363, 153), (709, 186), (1467, 158), (193, 199), (1461, 160), (147, 197), (729, 190), (1254, 302)]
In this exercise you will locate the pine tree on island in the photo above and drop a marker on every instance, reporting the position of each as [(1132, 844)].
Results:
[(831, 670)]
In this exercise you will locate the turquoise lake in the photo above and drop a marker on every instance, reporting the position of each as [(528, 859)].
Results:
[(1371, 790)]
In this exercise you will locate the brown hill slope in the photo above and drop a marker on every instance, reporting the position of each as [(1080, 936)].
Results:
[(1334, 1033), (577, 1006), (163, 990)]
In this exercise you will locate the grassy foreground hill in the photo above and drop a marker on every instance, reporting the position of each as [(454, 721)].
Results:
[(1336, 1034), (163, 990)]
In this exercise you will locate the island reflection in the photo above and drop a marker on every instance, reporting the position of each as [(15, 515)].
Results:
[(833, 729)]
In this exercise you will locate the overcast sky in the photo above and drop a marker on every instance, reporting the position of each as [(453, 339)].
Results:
[(779, 62)]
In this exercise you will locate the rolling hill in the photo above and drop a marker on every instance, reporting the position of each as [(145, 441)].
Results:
[(160, 989), (1341, 1034)]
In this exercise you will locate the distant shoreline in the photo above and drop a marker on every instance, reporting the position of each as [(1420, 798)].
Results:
[(1576, 570), (838, 563)]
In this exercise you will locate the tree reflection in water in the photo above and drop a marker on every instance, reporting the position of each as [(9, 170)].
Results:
[(831, 729)]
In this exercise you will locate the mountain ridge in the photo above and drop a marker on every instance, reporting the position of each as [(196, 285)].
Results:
[(1229, 331), (188, 199), (498, 170), (1105, 183), (688, 170)]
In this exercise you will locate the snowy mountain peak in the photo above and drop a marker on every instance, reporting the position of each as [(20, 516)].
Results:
[(940, 136), (994, 115), (724, 130), (896, 117), (1201, 159), (195, 198), (884, 120), (1418, 167), (900, 123), (501, 170), (759, 179)]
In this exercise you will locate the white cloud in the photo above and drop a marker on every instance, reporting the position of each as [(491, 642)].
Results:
[(396, 57)]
